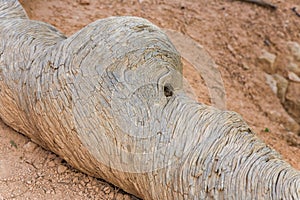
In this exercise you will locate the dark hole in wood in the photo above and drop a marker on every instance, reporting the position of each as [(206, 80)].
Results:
[(168, 90)]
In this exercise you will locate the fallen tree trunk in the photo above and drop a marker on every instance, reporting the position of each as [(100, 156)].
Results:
[(109, 101)]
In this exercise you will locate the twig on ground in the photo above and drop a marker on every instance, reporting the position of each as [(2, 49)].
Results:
[(261, 3), (294, 9)]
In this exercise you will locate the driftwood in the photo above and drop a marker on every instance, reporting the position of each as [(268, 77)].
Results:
[(261, 3), (294, 9), (109, 100)]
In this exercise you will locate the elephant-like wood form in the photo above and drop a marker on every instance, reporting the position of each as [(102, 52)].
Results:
[(109, 100)]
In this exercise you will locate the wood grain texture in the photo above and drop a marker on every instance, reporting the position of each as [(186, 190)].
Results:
[(109, 100)]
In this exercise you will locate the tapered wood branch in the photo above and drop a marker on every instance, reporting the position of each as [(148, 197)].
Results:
[(261, 3)]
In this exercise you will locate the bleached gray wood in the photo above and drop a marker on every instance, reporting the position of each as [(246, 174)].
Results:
[(109, 100)]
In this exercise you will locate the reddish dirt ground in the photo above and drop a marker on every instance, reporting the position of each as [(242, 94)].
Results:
[(233, 32)]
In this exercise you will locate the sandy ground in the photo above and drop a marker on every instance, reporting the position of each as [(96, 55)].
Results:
[(233, 32)]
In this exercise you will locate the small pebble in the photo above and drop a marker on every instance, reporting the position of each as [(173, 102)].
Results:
[(106, 190), (30, 146), (51, 164), (126, 197), (119, 196), (61, 169), (82, 183), (111, 195), (75, 180), (293, 77)]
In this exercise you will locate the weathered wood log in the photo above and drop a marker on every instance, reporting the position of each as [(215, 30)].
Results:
[(109, 101)]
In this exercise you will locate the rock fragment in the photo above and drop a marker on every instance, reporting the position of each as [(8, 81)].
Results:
[(293, 67), (294, 48), (294, 77), (30, 147), (51, 164), (106, 190), (292, 103), (266, 61), (61, 169), (272, 83), (282, 85)]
